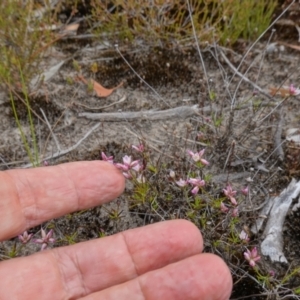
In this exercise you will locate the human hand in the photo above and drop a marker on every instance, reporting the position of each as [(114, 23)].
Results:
[(159, 261)]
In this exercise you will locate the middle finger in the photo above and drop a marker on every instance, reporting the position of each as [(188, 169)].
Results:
[(78, 270)]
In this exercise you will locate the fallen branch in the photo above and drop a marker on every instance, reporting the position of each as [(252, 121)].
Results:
[(272, 245), (154, 115)]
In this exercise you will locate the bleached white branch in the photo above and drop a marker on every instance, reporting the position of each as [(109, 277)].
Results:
[(154, 115), (272, 245)]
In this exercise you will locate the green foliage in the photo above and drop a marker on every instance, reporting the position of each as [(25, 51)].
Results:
[(290, 275), (70, 239), (102, 233), (297, 291), (165, 21), (23, 37), (13, 252), (142, 193)]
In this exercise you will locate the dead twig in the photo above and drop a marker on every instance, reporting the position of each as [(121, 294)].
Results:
[(153, 115), (245, 78), (63, 152), (51, 131)]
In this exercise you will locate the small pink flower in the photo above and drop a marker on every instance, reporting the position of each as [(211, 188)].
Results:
[(197, 156), (127, 163), (127, 175), (252, 256), (109, 159), (245, 190), (229, 193), (195, 190), (272, 273), (235, 212), (181, 182), (25, 237), (294, 91), (197, 183), (138, 167), (244, 236), (140, 148), (46, 239), (224, 208)]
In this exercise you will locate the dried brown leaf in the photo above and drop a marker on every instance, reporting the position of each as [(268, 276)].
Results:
[(99, 89)]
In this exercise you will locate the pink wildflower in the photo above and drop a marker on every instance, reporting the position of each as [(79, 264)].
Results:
[(197, 156), (245, 190), (224, 208), (197, 183), (109, 159), (138, 167), (140, 148), (229, 193), (235, 212), (46, 239), (272, 273), (25, 237), (181, 182), (293, 91), (244, 236), (252, 256), (127, 163), (127, 175)]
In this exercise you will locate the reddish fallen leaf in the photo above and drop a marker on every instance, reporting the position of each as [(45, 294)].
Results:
[(98, 88), (283, 92)]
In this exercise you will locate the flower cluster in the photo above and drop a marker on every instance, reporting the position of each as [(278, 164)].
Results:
[(44, 241), (198, 156), (133, 169), (252, 256), (231, 195), (196, 183), (130, 168)]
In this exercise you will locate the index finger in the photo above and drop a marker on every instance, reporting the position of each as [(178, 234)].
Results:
[(30, 197)]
